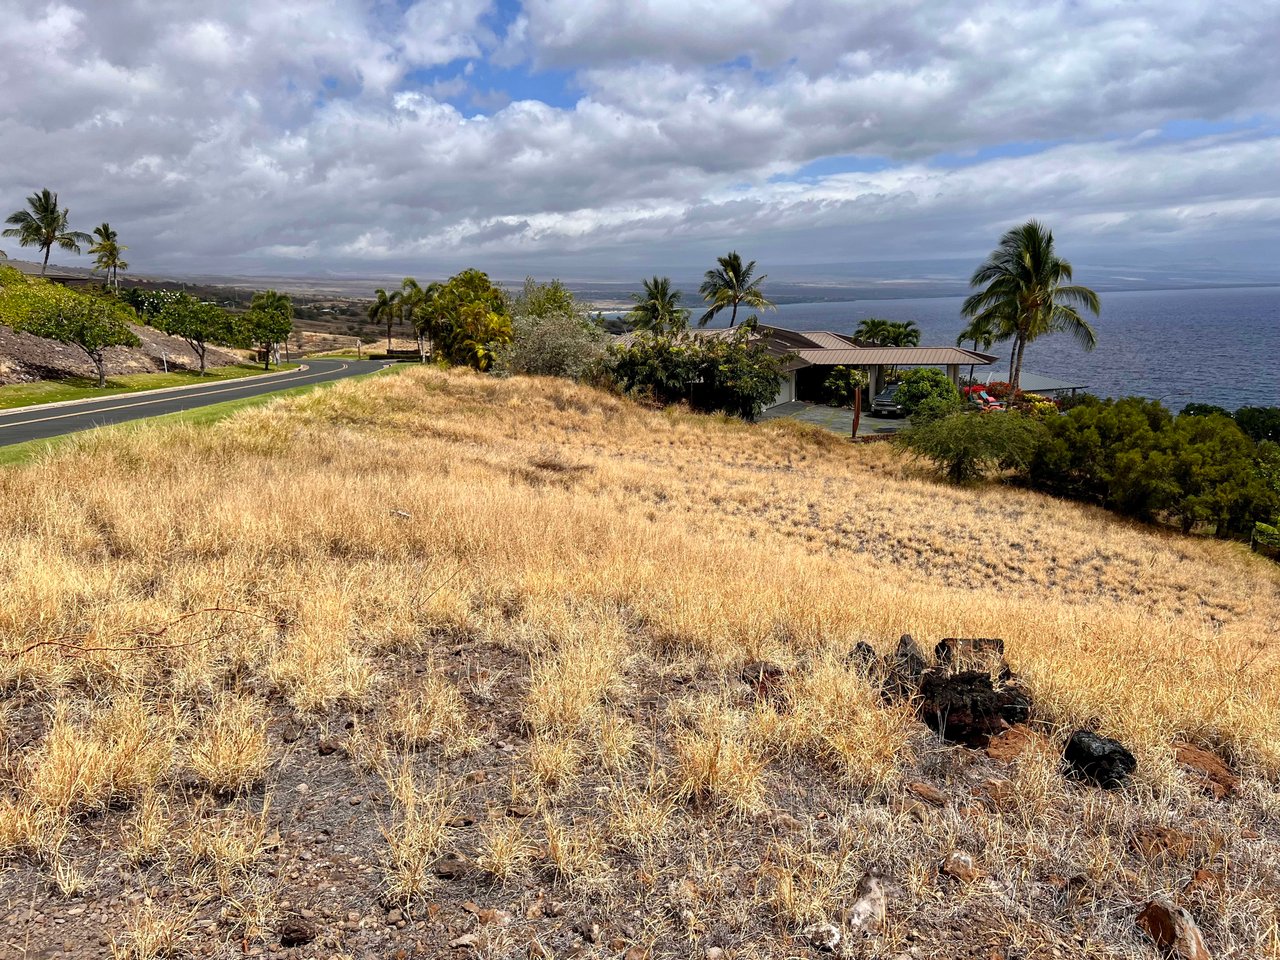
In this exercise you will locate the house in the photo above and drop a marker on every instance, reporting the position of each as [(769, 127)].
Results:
[(807, 357)]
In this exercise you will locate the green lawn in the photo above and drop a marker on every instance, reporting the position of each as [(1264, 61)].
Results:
[(17, 453), (79, 388)]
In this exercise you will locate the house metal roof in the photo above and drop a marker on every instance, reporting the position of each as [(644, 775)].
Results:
[(895, 357)]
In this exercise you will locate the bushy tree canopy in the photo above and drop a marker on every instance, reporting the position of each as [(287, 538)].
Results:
[(552, 334), (472, 319), (927, 387), (201, 324)]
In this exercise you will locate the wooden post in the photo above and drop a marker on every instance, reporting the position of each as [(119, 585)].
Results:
[(857, 411)]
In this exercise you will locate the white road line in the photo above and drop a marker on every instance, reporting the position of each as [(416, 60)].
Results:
[(144, 403)]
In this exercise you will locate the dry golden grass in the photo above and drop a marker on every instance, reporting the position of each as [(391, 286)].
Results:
[(364, 531)]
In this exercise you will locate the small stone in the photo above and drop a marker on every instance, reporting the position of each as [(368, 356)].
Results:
[(355, 801), (868, 911), (589, 931), (296, 932), (928, 793), (451, 866), (395, 916), (520, 810), (960, 866), (766, 680), (1161, 843), (1098, 760), (903, 670), (301, 788), (822, 936), (327, 746), (1013, 743), (1204, 879), (556, 908), (1211, 770), (1173, 930), (290, 731), (713, 953)]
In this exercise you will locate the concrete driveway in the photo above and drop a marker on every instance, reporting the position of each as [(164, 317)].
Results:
[(835, 419)]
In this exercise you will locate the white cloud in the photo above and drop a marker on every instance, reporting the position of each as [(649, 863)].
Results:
[(240, 135)]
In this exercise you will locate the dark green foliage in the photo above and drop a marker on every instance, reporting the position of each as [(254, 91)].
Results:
[(842, 385), (1260, 423), (726, 374), (966, 446), (925, 384), (148, 303), (1132, 456), (200, 324), (268, 322)]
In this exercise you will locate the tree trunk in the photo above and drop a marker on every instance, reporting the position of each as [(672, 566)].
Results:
[(1013, 353), (100, 362), (202, 349), (266, 356), (389, 322), (1015, 385), (44, 265), (733, 314)]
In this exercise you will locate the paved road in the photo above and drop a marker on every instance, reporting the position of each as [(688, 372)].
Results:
[(39, 422)]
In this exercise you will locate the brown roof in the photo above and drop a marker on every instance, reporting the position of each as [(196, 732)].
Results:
[(895, 357)]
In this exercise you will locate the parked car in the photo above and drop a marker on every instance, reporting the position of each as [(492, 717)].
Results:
[(886, 403)]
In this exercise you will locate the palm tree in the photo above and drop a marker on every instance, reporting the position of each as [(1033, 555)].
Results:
[(384, 307), (44, 225), (903, 333), (730, 284), (1024, 290), (107, 249), (658, 308), (873, 330), (983, 333), (418, 310)]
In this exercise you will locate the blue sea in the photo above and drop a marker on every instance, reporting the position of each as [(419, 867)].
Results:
[(1208, 345)]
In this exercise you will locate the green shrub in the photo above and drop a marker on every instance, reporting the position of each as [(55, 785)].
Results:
[(1259, 423), (552, 335), (966, 446), (725, 374), (924, 384), (842, 385)]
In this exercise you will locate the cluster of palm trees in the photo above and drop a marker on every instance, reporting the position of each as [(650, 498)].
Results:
[(1026, 294), (413, 304), (45, 225), (727, 286), (876, 332)]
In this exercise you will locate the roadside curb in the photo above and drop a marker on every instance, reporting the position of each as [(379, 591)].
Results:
[(254, 378)]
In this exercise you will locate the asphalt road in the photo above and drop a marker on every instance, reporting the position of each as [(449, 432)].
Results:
[(39, 422)]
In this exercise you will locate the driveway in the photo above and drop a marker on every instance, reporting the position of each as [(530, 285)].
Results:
[(51, 420), (835, 419)]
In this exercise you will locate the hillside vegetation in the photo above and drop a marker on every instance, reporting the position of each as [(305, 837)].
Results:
[(438, 661)]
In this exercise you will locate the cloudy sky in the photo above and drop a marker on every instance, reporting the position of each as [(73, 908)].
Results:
[(610, 138)]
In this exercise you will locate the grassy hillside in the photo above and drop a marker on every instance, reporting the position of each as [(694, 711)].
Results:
[(438, 659)]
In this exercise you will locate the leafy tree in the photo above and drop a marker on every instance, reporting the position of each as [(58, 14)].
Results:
[(969, 445), (269, 322), (417, 309), (729, 284), (926, 385), (200, 324), (473, 320), (107, 249), (842, 385), (149, 303), (47, 310), (1260, 423), (658, 309), (44, 225), (733, 375), (1027, 294), (552, 334), (385, 307)]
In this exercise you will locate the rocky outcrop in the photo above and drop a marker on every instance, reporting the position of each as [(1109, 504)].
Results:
[(1098, 760)]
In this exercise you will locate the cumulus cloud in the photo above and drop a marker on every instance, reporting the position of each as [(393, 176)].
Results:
[(374, 137)]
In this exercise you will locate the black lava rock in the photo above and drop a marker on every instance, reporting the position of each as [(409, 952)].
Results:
[(1098, 760), (968, 707)]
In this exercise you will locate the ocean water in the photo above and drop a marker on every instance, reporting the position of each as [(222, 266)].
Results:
[(1210, 346)]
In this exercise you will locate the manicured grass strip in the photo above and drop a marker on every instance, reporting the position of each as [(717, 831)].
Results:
[(80, 388), (19, 453)]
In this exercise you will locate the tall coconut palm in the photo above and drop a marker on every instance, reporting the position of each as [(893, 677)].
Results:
[(729, 284), (1026, 286), (385, 307), (418, 310), (107, 249), (44, 225), (658, 308)]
